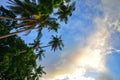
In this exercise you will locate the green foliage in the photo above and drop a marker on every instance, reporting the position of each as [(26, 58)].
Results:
[(25, 8), (56, 3), (46, 7), (20, 66), (64, 11), (13, 64), (6, 13), (37, 73), (18, 60)]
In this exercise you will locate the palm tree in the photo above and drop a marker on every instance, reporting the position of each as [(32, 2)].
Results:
[(37, 73), (30, 17), (40, 54), (14, 33), (32, 14), (35, 14), (56, 43), (64, 11), (49, 23)]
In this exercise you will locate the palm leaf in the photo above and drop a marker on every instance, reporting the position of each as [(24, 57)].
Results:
[(56, 43), (64, 11), (40, 54)]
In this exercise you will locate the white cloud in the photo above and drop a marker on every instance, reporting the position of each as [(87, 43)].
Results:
[(111, 9), (76, 63)]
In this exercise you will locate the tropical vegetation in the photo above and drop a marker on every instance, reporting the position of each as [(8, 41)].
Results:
[(18, 59)]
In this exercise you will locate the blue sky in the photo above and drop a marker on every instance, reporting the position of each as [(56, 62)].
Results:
[(92, 43)]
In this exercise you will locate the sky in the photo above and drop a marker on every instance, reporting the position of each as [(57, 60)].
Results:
[(92, 43)]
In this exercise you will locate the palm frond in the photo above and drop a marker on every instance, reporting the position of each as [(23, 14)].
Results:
[(64, 11), (56, 43), (39, 35), (40, 54)]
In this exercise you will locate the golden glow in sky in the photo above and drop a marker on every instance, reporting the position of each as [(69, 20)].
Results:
[(78, 62)]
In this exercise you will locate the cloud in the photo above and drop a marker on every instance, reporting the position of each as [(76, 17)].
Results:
[(76, 63), (104, 76), (111, 9)]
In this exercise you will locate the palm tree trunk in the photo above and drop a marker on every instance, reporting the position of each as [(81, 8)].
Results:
[(14, 33), (22, 19), (45, 46), (24, 51), (61, 10)]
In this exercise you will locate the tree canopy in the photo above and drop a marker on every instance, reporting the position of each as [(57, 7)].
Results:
[(18, 59), (13, 64)]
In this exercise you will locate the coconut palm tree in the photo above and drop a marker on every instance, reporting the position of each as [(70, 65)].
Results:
[(30, 17), (64, 11), (37, 73), (40, 54), (34, 13), (49, 23), (56, 43)]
